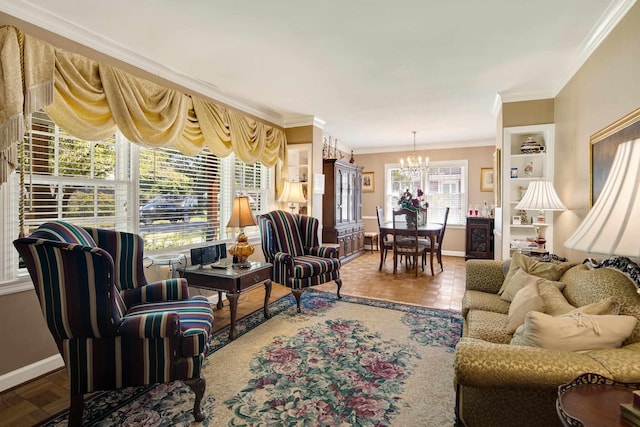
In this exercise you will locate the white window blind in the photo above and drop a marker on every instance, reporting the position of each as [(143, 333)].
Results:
[(178, 198), (444, 186), (173, 201), (70, 179)]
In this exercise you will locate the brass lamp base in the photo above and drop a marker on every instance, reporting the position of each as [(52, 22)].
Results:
[(241, 250)]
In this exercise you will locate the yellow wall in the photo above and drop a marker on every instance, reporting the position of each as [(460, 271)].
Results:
[(606, 88), (478, 157)]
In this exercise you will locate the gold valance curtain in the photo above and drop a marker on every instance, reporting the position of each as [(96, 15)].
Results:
[(90, 99)]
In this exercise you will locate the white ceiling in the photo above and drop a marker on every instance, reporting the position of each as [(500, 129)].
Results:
[(371, 70)]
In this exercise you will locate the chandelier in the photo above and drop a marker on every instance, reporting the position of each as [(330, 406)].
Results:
[(414, 166)]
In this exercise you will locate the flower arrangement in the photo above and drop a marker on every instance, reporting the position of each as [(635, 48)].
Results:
[(408, 201)]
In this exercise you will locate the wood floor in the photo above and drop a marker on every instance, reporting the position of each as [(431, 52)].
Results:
[(35, 401)]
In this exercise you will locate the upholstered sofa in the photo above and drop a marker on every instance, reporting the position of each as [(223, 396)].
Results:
[(500, 382)]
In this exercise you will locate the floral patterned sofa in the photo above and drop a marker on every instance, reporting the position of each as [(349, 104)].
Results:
[(501, 383)]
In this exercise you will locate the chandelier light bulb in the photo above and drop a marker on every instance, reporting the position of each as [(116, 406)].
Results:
[(415, 166)]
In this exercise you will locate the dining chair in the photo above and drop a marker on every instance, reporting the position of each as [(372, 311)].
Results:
[(386, 240), (405, 238), (438, 243)]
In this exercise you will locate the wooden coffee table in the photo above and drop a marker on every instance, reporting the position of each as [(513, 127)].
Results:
[(232, 281)]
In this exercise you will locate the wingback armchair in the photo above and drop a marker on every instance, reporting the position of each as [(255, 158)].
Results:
[(112, 328), (290, 243)]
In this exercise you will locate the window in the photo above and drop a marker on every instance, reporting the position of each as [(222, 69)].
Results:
[(170, 199), (444, 186)]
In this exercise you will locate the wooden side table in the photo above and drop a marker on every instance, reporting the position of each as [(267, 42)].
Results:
[(232, 281), (592, 400)]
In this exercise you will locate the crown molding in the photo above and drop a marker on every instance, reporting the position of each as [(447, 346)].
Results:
[(607, 22), (297, 121), (425, 147), (35, 15)]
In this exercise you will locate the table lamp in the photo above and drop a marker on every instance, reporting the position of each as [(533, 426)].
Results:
[(241, 217), (542, 197), (292, 193), (612, 226)]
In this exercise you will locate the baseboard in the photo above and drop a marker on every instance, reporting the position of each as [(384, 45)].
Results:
[(30, 372)]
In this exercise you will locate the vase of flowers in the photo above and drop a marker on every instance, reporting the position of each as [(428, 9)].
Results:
[(415, 203)]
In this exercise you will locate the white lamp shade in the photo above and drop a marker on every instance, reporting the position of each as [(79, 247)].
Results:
[(292, 193), (540, 195), (612, 226)]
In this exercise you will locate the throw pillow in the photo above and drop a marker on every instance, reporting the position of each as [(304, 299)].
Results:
[(555, 303), (606, 306), (518, 281), (546, 270), (525, 300), (575, 332)]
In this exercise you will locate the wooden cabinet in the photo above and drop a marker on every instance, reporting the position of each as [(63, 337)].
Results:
[(342, 207), (479, 238)]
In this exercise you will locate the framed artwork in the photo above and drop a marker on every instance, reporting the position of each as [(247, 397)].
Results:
[(486, 179), (604, 144), (368, 182)]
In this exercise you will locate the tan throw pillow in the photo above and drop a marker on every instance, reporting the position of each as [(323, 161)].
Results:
[(555, 303), (518, 281), (575, 332), (546, 270), (525, 300), (606, 306)]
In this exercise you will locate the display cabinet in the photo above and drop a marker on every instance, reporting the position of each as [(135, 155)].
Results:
[(299, 170), (528, 155), (479, 239), (342, 207)]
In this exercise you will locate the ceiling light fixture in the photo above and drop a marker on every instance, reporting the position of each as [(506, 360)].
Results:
[(414, 166)]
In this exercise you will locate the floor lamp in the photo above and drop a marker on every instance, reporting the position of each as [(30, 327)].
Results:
[(292, 193), (542, 197)]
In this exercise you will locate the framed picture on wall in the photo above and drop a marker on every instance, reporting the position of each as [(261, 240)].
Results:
[(486, 179), (368, 182), (604, 145)]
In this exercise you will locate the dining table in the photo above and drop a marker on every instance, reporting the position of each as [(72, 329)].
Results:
[(430, 230)]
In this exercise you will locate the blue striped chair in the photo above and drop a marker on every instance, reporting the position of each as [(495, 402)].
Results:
[(112, 328), (290, 243)]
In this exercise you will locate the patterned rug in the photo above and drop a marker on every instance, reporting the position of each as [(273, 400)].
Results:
[(344, 362)]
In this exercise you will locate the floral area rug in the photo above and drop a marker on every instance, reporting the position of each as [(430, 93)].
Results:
[(349, 362)]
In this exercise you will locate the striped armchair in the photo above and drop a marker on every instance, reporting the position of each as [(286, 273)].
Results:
[(112, 328), (290, 243)]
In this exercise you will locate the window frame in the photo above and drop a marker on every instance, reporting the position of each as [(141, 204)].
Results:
[(125, 181), (390, 198)]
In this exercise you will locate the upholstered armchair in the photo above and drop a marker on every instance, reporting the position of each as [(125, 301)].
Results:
[(290, 243), (112, 328)]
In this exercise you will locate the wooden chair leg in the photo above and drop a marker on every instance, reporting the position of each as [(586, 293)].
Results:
[(339, 283), (198, 386), (297, 293), (76, 408)]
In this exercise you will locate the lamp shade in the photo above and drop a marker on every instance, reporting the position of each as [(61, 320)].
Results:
[(540, 195), (241, 215), (612, 226), (292, 193)]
